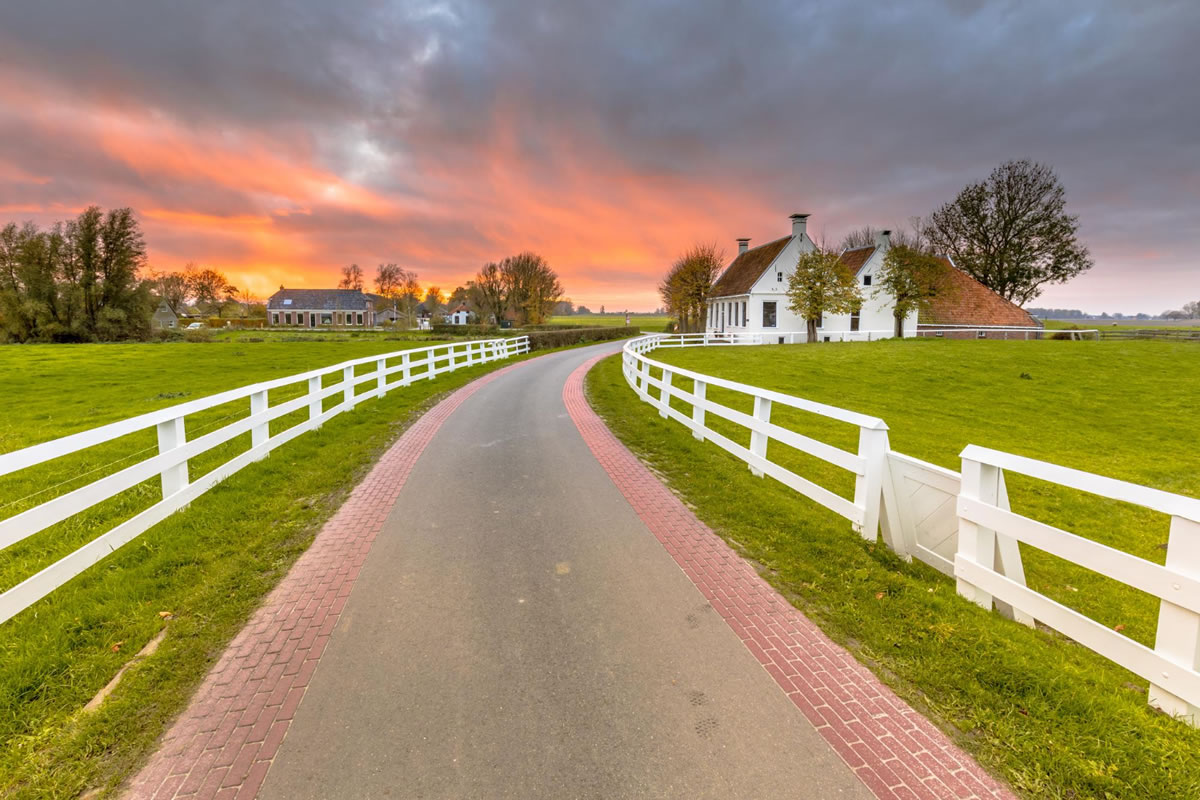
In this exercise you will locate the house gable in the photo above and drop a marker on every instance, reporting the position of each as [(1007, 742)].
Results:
[(744, 272)]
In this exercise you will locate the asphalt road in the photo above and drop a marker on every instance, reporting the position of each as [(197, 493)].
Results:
[(517, 632)]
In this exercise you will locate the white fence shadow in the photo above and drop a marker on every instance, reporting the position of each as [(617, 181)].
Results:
[(175, 450), (961, 524)]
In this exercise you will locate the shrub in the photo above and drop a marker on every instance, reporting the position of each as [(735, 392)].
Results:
[(201, 335), (473, 329), (545, 340), (168, 334)]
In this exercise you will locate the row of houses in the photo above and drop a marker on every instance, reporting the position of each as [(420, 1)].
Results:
[(750, 296), (345, 308)]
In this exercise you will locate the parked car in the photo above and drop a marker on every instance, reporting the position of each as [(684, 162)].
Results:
[(195, 326)]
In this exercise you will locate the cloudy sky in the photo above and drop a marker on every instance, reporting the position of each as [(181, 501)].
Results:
[(280, 139)]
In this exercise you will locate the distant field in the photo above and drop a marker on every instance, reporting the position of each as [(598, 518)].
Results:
[(1124, 324), (1053, 718), (646, 322)]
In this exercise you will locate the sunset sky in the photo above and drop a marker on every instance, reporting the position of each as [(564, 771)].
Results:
[(278, 141)]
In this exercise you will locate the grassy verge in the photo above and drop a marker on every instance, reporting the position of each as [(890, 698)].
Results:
[(1050, 717), (209, 565)]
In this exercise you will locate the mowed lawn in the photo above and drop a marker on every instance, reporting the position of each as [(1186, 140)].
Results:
[(1049, 716), (208, 566), (650, 323)]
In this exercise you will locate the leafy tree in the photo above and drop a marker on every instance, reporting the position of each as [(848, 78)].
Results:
[(77, 281), (688, 283), (820, 285), (352, 277), (1011, 232), (912, 278), (459, 295), (531, 287)]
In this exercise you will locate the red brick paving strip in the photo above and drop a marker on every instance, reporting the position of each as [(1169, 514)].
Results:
[(223, 744), (895, 751)]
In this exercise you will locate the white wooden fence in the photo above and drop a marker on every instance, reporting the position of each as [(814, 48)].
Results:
[(175, 450), (962, 524)]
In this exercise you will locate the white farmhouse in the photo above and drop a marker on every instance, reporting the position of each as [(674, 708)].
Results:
[(751, 296), (459, 315)]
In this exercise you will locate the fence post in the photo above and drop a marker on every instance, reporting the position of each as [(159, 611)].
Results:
[(664, 394), (259, 433), (171, 435), (1178, 638), (431, 364), (700, 390), (975, 543), (868, 488), (381, 380), (315, 402), (405, 370), (348, 381), (758, 439)]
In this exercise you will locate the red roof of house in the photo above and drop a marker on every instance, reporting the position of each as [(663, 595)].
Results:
[(966, 301), (854, 260), (747, 268)]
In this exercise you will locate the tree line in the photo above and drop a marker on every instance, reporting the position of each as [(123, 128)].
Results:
[(76, 281), (1010, 232), (522, 287)]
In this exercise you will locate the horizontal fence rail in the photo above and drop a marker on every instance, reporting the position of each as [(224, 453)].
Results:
[(175, 450), (961, 523)]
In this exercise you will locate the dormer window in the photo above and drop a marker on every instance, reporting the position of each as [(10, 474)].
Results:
[(866, 280), (287, 301)]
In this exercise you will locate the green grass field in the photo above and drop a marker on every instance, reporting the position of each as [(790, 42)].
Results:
[(650, 323), (1121, 325), (1051, 717), (209, 565)]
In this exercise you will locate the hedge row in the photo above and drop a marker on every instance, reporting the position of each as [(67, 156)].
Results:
[(545, 340), (472, 329)]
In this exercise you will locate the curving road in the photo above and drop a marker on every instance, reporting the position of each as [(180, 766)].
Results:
[(517, 632)]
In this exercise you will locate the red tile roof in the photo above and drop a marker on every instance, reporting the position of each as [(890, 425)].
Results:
[(966, 301), (854, 260), (747, 268)]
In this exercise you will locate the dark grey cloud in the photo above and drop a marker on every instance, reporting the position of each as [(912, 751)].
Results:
[(858, 112)]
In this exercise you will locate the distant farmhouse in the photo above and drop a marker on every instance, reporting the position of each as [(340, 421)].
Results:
[(751, 296), (459, 315), (324, 308), (164, 317)]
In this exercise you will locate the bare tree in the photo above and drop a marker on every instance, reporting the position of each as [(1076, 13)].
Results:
[(821, 285), (1011, 232), (688, 283), (487, 293), (352, 277), (434, 300), (171, 287), (859, 237)]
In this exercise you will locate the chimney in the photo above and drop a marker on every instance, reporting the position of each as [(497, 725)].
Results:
[(799, 222), (883, 239), (743, 245)]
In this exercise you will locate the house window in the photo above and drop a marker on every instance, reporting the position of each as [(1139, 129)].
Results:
[(768, 314), (853, 320), (981, 334), (275, 318), (744, 317), (287, 301), (866, 280), (779, 277), (312, 320), (287, 318), (938, 335), (359, 316), (327, 319)]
